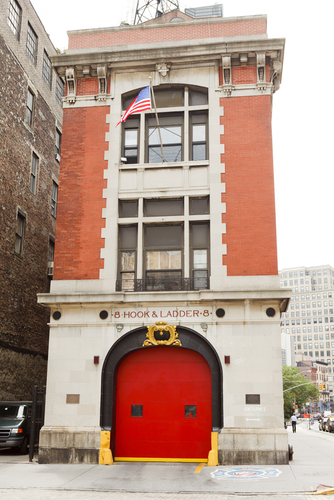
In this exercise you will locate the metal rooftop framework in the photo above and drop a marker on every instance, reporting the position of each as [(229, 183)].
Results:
[(151, 9)]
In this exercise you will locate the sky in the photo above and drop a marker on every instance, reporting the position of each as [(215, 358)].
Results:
[(302, 109)]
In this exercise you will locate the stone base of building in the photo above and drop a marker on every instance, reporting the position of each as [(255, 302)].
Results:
[(69, 445), (253, 447), (81, 445)]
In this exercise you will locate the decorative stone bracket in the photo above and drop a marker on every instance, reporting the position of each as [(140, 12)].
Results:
[(102, 77), (227, 75), (261, 71), (71, 81)]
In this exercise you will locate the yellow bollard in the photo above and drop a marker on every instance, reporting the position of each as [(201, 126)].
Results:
[(105, 451)]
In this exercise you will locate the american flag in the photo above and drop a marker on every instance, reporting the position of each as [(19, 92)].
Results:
[(142, 102)]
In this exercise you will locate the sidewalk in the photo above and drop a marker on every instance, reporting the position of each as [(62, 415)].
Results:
[(312, 468)]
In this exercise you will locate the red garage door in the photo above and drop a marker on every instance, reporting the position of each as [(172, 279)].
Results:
[(163, 406)]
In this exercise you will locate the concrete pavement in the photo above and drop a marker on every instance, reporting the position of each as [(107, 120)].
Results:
[(311, 469)]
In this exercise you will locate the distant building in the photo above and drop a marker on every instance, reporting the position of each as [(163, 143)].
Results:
[(31, 127), (309, 319)]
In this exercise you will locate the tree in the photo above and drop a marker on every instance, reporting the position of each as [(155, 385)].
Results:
[(305, 391)]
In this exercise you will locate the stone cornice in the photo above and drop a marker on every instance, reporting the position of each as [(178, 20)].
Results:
[(127, 299), (181, 52)]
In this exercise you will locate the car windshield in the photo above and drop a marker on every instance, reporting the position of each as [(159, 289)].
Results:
[(12, 411)]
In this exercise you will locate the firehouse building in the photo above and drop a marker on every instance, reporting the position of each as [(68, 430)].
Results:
[(165, 304)]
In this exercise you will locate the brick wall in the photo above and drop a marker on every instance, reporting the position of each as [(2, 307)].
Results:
[(149, 34), (79, 220), (18, 46), (250, 205), (244, 75), (87, 86), (24, 332)]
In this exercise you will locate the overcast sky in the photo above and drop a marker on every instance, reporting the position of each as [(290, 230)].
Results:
[(302, 109)]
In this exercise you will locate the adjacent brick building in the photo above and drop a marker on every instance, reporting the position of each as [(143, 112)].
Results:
[(30, 127), (165, 307)]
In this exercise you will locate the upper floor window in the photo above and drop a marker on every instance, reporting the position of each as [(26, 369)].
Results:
[(33, 173), (60, 88), (47, 69), (32, 44), (57, 145), (14, 17), (19, 235), (51, 256), (174, 255), (30, 108), (54, 197), (179, 134)]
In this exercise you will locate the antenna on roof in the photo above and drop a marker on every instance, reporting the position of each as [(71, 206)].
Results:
[(151, 9)]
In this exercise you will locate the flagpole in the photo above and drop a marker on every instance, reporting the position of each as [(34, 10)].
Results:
[(156, 117)]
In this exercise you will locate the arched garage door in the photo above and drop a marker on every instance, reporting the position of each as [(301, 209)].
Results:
[(163, 406)]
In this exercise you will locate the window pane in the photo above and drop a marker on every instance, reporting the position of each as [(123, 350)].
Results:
[(163, 207), (163, 236), (200, 259), (199, 133), (171, 154), (128, 261), (199, 152), (200, 234), (128, 237), (199, 206), (163, 260), (128, 208), (168, 98), (169, 135), (200, 279), (30, 100), (131, 137), (127, 282), (198, 98)]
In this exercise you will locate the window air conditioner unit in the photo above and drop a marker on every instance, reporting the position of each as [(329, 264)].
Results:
[(57, 156)]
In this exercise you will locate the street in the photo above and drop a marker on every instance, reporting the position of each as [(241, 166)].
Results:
[(312, 469)]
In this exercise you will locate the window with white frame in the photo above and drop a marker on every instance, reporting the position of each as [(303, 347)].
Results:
[(179, 134), (163, 255)]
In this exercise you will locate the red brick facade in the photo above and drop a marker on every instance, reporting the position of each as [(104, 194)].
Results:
[(169, 33), (244, 75), (79, 220), (249, 178)]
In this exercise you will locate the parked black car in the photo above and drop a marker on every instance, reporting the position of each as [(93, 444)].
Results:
[(15, 419)]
